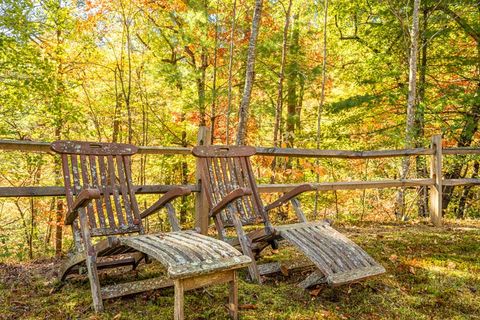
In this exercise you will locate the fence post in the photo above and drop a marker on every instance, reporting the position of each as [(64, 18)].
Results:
[(201, 204), (436, 175)]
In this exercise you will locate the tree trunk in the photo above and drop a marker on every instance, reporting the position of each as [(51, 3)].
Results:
[(230, 67), (201, 88), (292, 77), (412, 93), (420, 163), (249, 75), (322, 99), (184, 172), (214, 85), (116, 111), (281, 76), (58, 228)]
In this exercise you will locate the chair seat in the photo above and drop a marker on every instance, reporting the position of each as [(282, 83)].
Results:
[(187, 253)]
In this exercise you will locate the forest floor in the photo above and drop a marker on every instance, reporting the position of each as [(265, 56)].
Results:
[(432, 273)]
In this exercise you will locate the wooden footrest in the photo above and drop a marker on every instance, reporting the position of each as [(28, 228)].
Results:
[(354, 275), (338, 259)]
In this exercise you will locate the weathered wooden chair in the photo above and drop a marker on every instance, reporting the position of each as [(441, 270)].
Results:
[(230, 186), (101, 203)]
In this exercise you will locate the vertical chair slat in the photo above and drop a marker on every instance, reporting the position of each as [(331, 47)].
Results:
[(238, 204), (211, 178), (206, 184), (106, 193), (76, 175), (123, 189), (77, 236), (96, 184), (68, 180), (253, 185), (225, 175), (116, 196), (86, 183), (131, 191), (243, 172)]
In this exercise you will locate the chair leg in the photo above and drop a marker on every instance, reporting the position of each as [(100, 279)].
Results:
[(178, 309), (246, 245), (91, 262), (233, 297)]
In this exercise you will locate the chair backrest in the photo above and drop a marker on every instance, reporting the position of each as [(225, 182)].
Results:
[(224, 169), (107, 167)]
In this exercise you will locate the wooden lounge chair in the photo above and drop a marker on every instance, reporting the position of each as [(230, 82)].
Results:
[(229, 184), (101, 203)]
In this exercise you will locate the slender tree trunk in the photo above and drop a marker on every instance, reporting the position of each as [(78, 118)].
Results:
[(281, 76), (116, 111), (420, 163), (292, 77), (322, 98), (59, 227), (230, 67), (127, 85), (201, 89), (214, 85), (249, 75), (184, 172), (59, 213), (412, 94), (301, 93)]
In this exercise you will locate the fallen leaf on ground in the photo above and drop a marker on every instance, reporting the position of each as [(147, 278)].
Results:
[(393, 258), (315, 292)]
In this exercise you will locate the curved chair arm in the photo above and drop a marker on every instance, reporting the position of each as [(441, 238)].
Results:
[(289, 195), (229, 198), (164, 200), (82, 200)]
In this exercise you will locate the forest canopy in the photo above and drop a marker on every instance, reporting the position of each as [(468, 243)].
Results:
[(151, 73)]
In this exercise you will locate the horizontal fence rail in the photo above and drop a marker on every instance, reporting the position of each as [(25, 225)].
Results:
[(435, 182), (264, 188), (35, 146)]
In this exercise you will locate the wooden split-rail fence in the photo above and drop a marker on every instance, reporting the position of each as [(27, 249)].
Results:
[(435, 182)]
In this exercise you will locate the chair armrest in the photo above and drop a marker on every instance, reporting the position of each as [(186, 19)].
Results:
[(82, 200), (289, 195), (166, 198), (229, 198)]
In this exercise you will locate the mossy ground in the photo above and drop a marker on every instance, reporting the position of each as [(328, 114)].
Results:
[(432, 273)]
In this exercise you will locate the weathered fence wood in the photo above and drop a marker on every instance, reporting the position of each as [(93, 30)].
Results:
[(263, 188), (349, 185), (40, 146), (461, 151), (436, 188), (53, 191), (461, 182), (435, 181), (343, 154), (201, 203)]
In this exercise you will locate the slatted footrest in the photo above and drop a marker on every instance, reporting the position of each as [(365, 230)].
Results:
[(338, 259), (354, 275)]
